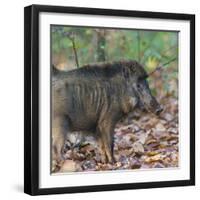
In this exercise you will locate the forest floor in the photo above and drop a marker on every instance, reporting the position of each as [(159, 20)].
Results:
[(141, 142)]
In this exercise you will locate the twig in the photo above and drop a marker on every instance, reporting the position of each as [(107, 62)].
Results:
[(72, 38), (75, 52), (160, 66)]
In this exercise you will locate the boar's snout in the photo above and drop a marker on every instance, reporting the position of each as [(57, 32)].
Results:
[(147, 99), (158, 110), (155, 107)]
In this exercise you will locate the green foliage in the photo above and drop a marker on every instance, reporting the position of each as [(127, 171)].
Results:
[(150, 48)]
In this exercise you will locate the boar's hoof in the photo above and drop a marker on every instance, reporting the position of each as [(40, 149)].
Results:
[(103, 158)]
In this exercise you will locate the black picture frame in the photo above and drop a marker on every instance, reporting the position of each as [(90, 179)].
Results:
[(31, 98)]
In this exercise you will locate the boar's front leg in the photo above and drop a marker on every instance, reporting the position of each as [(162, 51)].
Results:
[(106, 141)]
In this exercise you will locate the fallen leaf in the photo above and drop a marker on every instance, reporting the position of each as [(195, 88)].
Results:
[(138, 148), (160, 127), (89, 165), (143, 137), (168, 117), (68, 166), (151, 141), (153, 158), (158, 165), (152, 153), (173, 130)]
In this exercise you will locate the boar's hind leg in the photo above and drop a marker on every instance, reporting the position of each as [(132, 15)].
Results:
[(105, 140), (59, 130)]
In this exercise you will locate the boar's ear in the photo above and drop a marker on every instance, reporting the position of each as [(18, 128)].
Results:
[(143, 73), (126, 72)]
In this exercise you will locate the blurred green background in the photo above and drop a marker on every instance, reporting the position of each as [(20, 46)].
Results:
[(73, 47)]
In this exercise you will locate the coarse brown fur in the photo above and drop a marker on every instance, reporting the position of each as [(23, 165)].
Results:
[(94, 98)]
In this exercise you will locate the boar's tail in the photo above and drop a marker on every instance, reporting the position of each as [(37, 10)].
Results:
[(55, 71)]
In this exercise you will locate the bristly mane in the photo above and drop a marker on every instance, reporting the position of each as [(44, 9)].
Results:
[(105, 70)]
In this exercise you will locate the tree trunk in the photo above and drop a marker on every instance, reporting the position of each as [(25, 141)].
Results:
[(101, 42)]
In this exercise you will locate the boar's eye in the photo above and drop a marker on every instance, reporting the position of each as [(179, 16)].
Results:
[(141, 83), (144, 77)]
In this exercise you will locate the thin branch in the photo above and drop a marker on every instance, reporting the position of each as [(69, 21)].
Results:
[(160, 66), (75, 52), (71, 36)]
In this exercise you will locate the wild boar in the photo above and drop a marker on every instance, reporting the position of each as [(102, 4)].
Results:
[(94, 98)]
